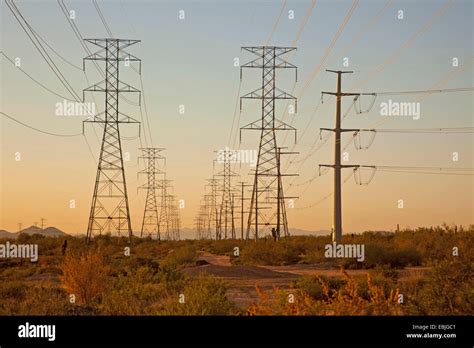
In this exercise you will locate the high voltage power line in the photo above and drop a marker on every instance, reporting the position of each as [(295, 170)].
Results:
[(283, 5), (434, 130), (442, 130), (422, 130), (426, 26), (169, 217), (395, 169), (206, 214), (147, 123), (409, 42), (429, 91), (39, 130), (44, 54), (369, 24), (37, 39), (168, 222), (36, 35), (318, 68), (102, 18), (33, 79), (293, 44)]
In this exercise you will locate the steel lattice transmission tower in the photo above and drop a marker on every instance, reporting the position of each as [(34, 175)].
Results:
[(226, 217), (213, 209), (207, 217), (202, 221), (267, 188), (109, 209), (164, 221), (174, 218), (150, 223)]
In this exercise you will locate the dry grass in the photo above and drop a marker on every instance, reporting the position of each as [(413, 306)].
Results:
[(150, 281), (84, 276), (345, 300)]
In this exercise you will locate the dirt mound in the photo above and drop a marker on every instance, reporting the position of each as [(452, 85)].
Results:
[(245, 272), (213, 259), (201, 262)]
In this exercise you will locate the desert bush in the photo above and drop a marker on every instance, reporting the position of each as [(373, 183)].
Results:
[(268, 252), (364, 287), (203, 295), (385, 254), (84, 275), (313, 256), (179, 257), (171, 278), (277, 303), (15, 290), (48, 246), (446, 290), (136, 293), (135, 262), (25, 238), (150, 280), (27, 298), (346, 300), (313, 285), (155, 249), (18, 270), (44, 299), (221, 247), (385, 271)]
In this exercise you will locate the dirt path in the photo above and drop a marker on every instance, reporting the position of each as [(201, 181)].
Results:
[(222, 265), (218, 260), (243, 280)]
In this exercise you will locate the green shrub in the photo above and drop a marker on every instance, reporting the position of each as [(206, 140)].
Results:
[(137, 293), (268, 252), (447, 289), (181, 256), (21, 298), (203, 295), (313, 285), (379, 255), (363, 288)]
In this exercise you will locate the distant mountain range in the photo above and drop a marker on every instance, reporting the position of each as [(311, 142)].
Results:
[(49, 231)]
